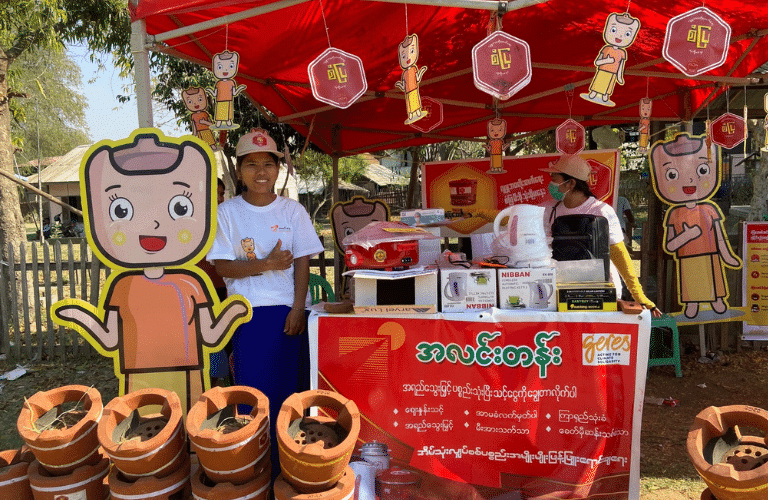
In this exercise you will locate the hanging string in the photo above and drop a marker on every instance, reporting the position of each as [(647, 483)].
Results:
[(407, 31), (322, 13), (746, 129), (569, 98), (226, 38), (647, 84), (629, 2)]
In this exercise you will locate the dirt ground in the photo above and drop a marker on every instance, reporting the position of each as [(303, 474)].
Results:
[(666, 472)]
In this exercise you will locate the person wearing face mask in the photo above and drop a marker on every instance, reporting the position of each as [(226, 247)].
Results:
[(572, 196)]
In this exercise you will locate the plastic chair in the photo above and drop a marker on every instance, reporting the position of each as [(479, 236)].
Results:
[(661, 354), (318, 285)]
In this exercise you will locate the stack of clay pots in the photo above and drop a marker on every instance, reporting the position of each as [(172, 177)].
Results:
[(233, 448), (315, 451), (735, 467), (60, 429), (143, 435)]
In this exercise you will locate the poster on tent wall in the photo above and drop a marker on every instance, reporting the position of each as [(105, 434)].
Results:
[(754, 288), (534, 405), (467, 187)]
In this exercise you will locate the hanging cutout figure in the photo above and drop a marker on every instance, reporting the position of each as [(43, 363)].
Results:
[(685, 176), (497, 130), (197, 103), (644, 129), (225, 65), (620, 32), (408, 52), (149, 211)]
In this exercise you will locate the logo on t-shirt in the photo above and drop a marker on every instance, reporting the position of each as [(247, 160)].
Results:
[(277, 229)]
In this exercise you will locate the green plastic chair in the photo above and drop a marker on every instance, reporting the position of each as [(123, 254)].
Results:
[(661, 352), (318, 285)]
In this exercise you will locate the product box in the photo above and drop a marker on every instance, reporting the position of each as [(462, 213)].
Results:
[(422, 216), (467, 289), (530, 288), (586, 297), (410, 291)]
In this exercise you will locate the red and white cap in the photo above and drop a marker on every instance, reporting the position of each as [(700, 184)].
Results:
[(256, 141)]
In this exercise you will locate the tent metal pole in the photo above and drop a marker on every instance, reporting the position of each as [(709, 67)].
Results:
[(221, 21), (141, 72), (471, 4)]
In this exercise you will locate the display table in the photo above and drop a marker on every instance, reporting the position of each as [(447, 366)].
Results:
[(495, 403)]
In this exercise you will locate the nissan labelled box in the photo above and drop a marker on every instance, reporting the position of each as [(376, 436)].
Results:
[(467, 289), (532, 288), (586, 297)]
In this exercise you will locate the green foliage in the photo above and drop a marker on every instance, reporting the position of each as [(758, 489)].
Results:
[(49, 79)]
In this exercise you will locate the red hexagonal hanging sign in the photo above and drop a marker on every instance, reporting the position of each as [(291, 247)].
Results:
[(501, 65), (600, 180), (337, 78), (696, 41), (434, 110), (727, 130), (570, 137)]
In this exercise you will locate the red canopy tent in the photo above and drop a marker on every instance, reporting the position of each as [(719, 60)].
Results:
[(564, 36)]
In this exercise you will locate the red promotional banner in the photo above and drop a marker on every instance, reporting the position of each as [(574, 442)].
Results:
[(468, 185), (512, 403), (337, 78), (727, 130), (696, 41)]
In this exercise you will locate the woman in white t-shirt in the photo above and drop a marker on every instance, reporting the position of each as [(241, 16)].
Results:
[(262, 249), (572, 195)]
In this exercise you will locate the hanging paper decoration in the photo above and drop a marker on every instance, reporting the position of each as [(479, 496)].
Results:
[(433, 110), (620, 32), (728, 130), (197, 103), (408, 55), (644, 129), (497, 130), (570, 137), (501, 65), (225, 65), (337, 78), (696, 41)]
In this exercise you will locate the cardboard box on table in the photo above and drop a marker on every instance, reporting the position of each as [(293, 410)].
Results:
[(527, 288), (594, 296), (410, 291), (463, 289)]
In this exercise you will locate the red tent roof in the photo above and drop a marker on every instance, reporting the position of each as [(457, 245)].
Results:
[(564, 37)]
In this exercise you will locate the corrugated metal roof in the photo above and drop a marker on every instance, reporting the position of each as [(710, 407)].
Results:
[(315, 186), (65, 169), (383, 176)]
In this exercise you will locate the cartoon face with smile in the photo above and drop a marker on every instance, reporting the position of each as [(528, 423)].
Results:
[(683, 172), (620, 30), (408, 51), (150, 213), (225, 65)]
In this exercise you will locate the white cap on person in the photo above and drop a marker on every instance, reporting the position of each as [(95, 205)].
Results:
[(256, 141)]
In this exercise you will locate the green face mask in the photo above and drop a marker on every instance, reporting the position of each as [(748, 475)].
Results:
[(554, 192)]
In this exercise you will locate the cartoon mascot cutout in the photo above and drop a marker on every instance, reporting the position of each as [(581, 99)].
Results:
[(149, 208), (350, 216), (685, 175)]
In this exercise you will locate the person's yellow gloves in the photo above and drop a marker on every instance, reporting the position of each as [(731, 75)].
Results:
[(620, 258)]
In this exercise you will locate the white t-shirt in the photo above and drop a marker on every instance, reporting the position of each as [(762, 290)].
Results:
[(245, 230), (592, 206)]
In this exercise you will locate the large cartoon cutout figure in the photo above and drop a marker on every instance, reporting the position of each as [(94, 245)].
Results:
[(685, 175), (149, 211), (350, 216), (620, 32)]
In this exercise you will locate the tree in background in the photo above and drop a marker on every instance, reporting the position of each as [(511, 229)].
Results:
[(49, 79), (27, 25), (315, 167)]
